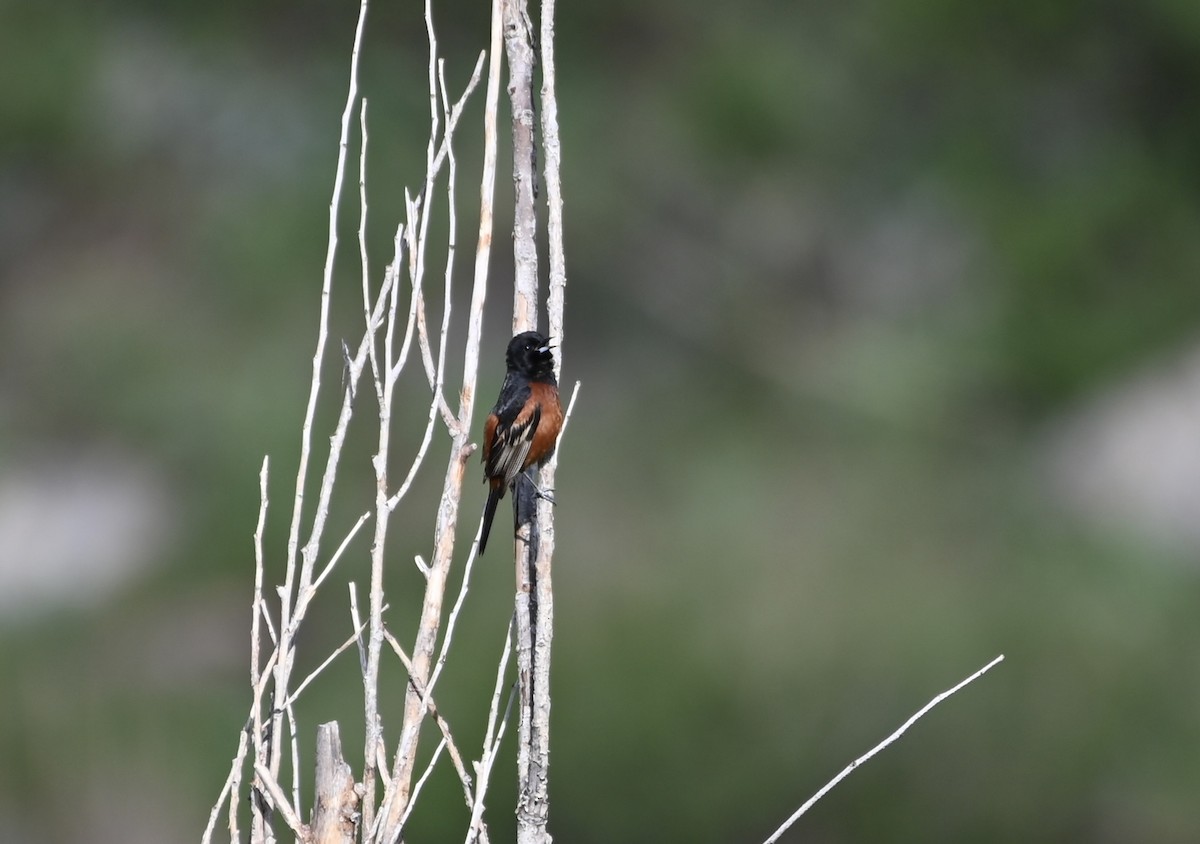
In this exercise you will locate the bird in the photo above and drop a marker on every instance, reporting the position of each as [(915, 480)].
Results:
[(522, 429)]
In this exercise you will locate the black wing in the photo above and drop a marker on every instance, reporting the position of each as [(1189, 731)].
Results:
[(516, 422)]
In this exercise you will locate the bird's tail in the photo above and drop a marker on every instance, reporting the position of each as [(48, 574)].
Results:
[(489, 513)]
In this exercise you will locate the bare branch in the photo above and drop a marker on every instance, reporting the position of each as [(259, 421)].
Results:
[(384, 347), (452, 622), (229, 791), (436, 380), (271, 785), (365, 272), (552, 152), (316, 672), (412, 802), (341, 549), (326, 286), (294, 735), (518, 45), (491, 739), (398, 795), (233, 783), (903, 727), (356, 618), (483, 249), (383, 395), (455, 756), (287, 615)]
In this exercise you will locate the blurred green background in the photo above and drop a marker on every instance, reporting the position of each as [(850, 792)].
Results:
[(887, 319)]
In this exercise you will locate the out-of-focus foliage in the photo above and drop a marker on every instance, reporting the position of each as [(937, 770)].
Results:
[(833, 270)]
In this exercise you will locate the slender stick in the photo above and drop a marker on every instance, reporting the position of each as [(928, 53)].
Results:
[(518, 46), (230, 791), (287, 621), (491, 742), (399, 793), (455, 756), (552, 153), (555, 304), (341, 549), (899, 732), (258, 609), (383, 398), (316, 672), (487, 194), (272, 787)]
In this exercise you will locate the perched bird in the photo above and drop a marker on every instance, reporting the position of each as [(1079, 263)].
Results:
[(522, 429)]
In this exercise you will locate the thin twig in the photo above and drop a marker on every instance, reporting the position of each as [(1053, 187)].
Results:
[(384, 393), (316, 672), (364, 263), (452, 241), (552, 155), (567, 416), (265, 612), (412, 801), (341, 549), (491, 738), (326, 286), (846, 771), (518, 46), (271, 785), (478, 828), (425, 688), (294, 734), (231, 790), (358, 625), (483, 247), (435, 373), (455, 756), (417, 226), (398, 795), (288, 617), (233, 783), (452, 622)]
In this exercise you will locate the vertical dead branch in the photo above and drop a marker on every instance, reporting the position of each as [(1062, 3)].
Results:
[(487, 194), (382, 397), (270, 752), (552, 155), (518, 45), (535, 530), (538, 802)]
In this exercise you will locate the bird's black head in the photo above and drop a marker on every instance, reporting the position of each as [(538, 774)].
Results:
[(529, 354)]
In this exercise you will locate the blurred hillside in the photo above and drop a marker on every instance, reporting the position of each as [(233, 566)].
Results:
[(887, 319)]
